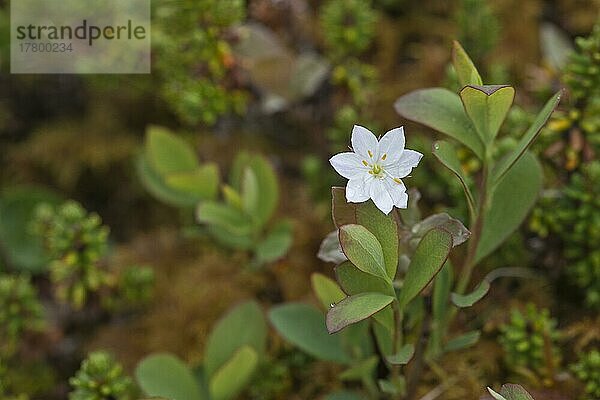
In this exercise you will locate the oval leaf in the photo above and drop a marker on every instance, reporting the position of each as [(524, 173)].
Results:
[(363, 249), (442, 110), (202, 183), (428, 259), (327, 290), (354, 281), (354, 309), (168, 153), (244, 325), (512, 199), (405, 354), (304, 326), (167, 376)]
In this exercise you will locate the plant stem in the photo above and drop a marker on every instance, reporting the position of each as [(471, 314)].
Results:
[(418, 364), (397, 337)]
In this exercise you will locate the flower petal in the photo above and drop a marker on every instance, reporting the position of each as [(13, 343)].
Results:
[(348, 165), (409, 160), (357, 189), (391, 146), (380, 196), (364, 143), (397, 192)]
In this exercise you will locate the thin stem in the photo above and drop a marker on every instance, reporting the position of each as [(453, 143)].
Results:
[(418, 364), (397, 337)]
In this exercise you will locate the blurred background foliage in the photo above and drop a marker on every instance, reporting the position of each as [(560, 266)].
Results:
[(283, 80)]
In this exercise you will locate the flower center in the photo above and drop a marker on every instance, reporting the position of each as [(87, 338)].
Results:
[(376, 170)]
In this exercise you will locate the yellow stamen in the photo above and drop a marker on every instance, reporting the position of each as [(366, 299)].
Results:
[(384, 156), (370, 154), (366, 164), (398, 181)]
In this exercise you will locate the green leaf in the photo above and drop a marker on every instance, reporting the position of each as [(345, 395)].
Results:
[(244, 325), (385, 229), (442, 110), (327, 290), (429, 257), (465, 69), (354, 281), (467, 300), (304, 326), (167, 376), (156, 185), (226, 217), (24, 250), (354, 309), (360, 370), (231, 240), (202, 183), (234, 375), (167, 153), (487, 107), (495, 394), (363, 249), (403, 356), (382, 226), (266, 182), (515, 392), (462, 341), (512, 199), (507, 162), (250, 192), (446, 154), (276, 244)]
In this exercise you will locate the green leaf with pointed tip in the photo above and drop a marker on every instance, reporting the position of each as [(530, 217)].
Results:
[(354, 281), (511, 201), (504, 165), (487, 107), (514, 392), (354, 309), (429, 257), (202, 183), (168, 153), (446, 154), (465, 69), (403, 356), (276, 244), (327, 290), (463, 341), (304, 326), (442, 110), (467, 300), (363, 249), (167, 376), (234, 375), (244, 325)]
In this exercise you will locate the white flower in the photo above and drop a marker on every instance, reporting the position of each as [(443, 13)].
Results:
[(375, 168)]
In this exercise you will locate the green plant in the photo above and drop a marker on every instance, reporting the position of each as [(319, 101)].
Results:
[(587, 370), (529, 341), (20, 312), (243, 219), (194, 59), (101, 378), (234, 350), (76, 242), (573, 216), (134, 288)]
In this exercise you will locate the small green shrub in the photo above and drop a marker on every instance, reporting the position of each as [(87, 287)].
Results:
[(101, 378), (529, 341), (20, 311), (587, 370), (76, 241)]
